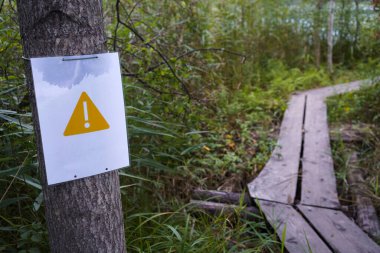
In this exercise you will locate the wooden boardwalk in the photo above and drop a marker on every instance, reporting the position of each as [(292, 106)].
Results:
[(296, 190), (278, 180)]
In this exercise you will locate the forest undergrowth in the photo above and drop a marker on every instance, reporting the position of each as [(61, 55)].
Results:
[(205, 84)]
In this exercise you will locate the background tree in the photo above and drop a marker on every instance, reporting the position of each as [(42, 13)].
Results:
[(317, 32), (330, 36)]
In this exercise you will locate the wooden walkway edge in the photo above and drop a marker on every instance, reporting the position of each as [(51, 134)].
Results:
[(278, 180), (341, 233), (303, 158), (318, 178), (300, 236)]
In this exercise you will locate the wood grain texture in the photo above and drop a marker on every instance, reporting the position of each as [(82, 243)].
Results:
[(213, 208), (83, 215), (300, 237), (340, 88), (318, 178), (342, 234), (278, 180)]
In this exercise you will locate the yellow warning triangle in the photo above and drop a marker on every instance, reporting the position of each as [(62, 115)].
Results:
[(86, 118)]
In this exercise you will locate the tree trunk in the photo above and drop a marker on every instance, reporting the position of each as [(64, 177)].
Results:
[(83, 215), (357, 30), (330, 36), (317, 31)]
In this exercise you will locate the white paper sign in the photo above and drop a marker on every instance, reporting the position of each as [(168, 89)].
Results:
[(81, 113)]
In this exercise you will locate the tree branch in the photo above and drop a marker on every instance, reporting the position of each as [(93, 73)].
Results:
[(244, 57), (147, 44), (146, 85)]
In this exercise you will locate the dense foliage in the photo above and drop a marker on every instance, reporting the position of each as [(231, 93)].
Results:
[(206, 85)]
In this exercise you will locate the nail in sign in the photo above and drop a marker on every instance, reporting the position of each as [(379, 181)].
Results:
[(81, 113)]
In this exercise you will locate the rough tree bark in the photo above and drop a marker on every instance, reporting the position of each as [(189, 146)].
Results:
[(83, 215), (330, 37)]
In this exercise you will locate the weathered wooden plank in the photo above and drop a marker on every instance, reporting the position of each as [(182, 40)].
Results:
[(300, 237), (340, 88), (278, 180), (339, 232), (213, 208), (222, 197), (351, 133), (366, 216), (318, 178)]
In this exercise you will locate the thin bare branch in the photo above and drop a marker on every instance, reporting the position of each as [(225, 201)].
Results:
[(146, 85), (244, 57), (147, 44)]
